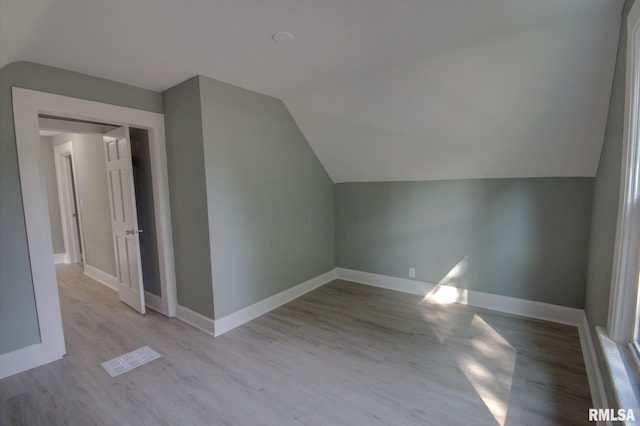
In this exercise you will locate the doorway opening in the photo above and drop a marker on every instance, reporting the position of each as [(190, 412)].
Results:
[(61, 187), (93, 194), (28, 107)]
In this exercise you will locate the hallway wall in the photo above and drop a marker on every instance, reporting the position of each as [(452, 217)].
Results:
[(93, 199), (53, 199)]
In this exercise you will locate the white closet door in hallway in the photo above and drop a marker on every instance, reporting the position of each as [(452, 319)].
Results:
[(124, 218)]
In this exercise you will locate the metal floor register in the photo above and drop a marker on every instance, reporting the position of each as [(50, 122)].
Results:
[(129, 361)]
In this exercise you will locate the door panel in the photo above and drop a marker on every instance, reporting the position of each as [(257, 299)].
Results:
[(124, 218)]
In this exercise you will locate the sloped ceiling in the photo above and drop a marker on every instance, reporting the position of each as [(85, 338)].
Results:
[(382, 89)]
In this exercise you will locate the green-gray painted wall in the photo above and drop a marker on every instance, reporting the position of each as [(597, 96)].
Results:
[(18, 320), (187, 192), (271, 203), (524, 238), (607, 192)]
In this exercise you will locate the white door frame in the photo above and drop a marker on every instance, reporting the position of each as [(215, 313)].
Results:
[(72, 241), (27, 104), (623, 295)]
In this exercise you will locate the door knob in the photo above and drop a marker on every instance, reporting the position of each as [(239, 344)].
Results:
[(132, 231)]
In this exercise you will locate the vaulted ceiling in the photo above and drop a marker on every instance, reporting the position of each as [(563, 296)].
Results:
[(382, 89)]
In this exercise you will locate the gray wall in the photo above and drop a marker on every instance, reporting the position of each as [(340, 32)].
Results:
[(18, 320), (143, 182), (607, 193), (270, 201), (93, 196), (605, 206), (524, 238), (185, 164), (53, 200)]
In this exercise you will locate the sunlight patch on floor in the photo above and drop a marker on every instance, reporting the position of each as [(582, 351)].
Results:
[(490, 369)]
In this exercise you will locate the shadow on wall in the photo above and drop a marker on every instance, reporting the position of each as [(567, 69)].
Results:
[(525, 238), (453, 287)]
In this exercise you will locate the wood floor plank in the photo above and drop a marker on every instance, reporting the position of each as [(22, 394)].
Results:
[(343, 354)]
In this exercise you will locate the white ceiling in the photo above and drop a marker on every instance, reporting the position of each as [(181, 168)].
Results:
[(382, 89)]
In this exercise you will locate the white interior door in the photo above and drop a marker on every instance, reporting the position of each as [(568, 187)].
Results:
[(124, 218)]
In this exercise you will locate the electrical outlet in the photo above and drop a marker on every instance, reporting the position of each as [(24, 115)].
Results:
[(412, 272)]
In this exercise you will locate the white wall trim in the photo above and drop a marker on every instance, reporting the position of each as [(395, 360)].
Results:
[(40, 246), (102, 277), (526, 308), (24, 359), (623, 293), (153, 301), (27, 105), (384, 281), (231, 321), (59, 258), (511, 305), (621, 364), (596, 382), (195, 319)]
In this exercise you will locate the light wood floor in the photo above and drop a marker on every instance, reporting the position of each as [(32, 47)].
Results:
[(345, 354)]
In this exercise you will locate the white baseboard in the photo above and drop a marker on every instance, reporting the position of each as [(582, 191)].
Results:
[(153, 302), (26, 358), (511, 305), (101, 276), (526, 308), (195, 319), (59, 258), (231, 321), (596, 382), (383, 281)]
